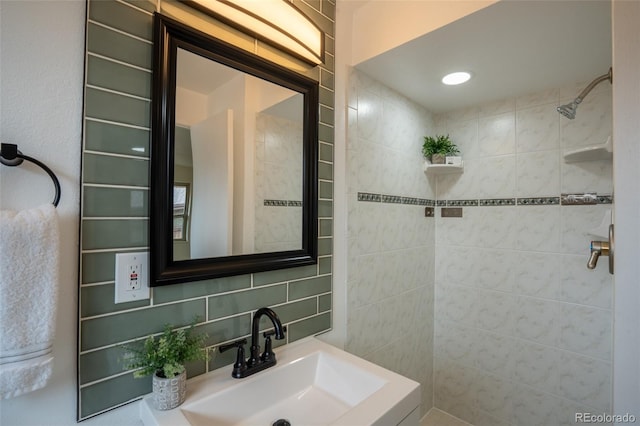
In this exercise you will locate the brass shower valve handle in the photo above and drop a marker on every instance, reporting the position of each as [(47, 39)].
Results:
[(598, 248), (602, 248)]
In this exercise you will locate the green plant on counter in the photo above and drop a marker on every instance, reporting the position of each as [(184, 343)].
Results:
[(165, 355), (439, 144)]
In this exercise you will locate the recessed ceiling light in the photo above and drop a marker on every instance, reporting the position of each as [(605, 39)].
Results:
[(456, 78)]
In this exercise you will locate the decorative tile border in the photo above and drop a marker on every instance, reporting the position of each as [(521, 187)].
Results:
[(462, 203), (366, 196), (605, 199), (394, 199), (498, 202), (585, 199), (538, 201), (282, 203), (565, 200)]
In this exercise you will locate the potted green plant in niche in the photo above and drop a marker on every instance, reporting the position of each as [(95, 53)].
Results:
[(435, 149), (165, 356)]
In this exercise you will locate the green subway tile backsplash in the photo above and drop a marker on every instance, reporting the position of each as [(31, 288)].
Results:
[(107, 330), (325, 171), (324, 303), (221, 360), (325, 265), (99, 299), (282, 275), (148, 5), (296, 310), (326, 228), (107, 234), (115, 212), (98, 267), (322, 21), (329, 42), (122, 17), (325, 189), (227, 329), (326, 117), (118, 108), (243, 301), (101, 363), (117, 139), (325, 208), (115, 202), (325, 246), (326, 97), (172, 293), (326, 79), (121, 47), (309, 287), (326, 152), (325, 133), (101, 169), (110, 393), (309, 327), (121, 78)]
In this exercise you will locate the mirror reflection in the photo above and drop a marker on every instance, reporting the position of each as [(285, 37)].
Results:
[(234, 161), (238, 158)]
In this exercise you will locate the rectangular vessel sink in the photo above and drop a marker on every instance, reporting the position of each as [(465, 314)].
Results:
[(313, 384)]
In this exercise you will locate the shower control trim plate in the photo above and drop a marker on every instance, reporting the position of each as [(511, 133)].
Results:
[(451, 212)]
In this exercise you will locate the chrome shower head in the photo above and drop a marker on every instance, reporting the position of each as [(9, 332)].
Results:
[(569, 110)]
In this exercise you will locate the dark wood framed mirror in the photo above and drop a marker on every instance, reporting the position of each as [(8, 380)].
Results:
[(234, 160)]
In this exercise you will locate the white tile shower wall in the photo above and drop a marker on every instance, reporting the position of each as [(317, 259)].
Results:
[(278, 177), (390, 282), (523, 331)]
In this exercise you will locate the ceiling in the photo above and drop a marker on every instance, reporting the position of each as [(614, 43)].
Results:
[(511, 48)]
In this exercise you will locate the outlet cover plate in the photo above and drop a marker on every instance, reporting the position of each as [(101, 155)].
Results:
[(132, 277)]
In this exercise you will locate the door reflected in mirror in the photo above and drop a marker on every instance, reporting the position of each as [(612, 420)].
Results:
[(237, 162)]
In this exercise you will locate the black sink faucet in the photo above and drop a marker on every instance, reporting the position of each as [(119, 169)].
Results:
[(254, 357), (256, 362)]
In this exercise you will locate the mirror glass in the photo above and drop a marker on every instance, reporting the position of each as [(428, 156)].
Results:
[(237, 162), (234, 160)]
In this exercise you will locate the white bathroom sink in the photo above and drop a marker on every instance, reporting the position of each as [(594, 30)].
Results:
[(313, 383)]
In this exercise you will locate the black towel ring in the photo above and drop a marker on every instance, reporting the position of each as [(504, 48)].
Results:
[(10, 156)]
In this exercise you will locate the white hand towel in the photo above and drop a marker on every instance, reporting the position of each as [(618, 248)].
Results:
[(29, 246)]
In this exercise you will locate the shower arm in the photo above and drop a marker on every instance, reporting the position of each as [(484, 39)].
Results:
[(594, 83)]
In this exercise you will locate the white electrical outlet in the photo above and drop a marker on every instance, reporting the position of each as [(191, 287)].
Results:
[(132, 277)]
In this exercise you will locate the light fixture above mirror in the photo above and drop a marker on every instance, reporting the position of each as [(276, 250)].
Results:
[(277, 22)]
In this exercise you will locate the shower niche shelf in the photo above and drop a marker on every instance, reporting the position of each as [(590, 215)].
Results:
[(443, 169), (590, 153)]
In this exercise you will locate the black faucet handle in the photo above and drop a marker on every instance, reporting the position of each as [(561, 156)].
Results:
[(268, 354), (237, 344), (240, 366), (269, 333)]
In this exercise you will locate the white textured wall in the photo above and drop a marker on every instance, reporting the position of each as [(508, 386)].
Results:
[(626, 127), (278, 176), (41, 93), (523, 329), (390, 246), (41, 78)]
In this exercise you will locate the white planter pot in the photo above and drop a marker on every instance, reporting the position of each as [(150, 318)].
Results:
[(169, 393), (437, 159)]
